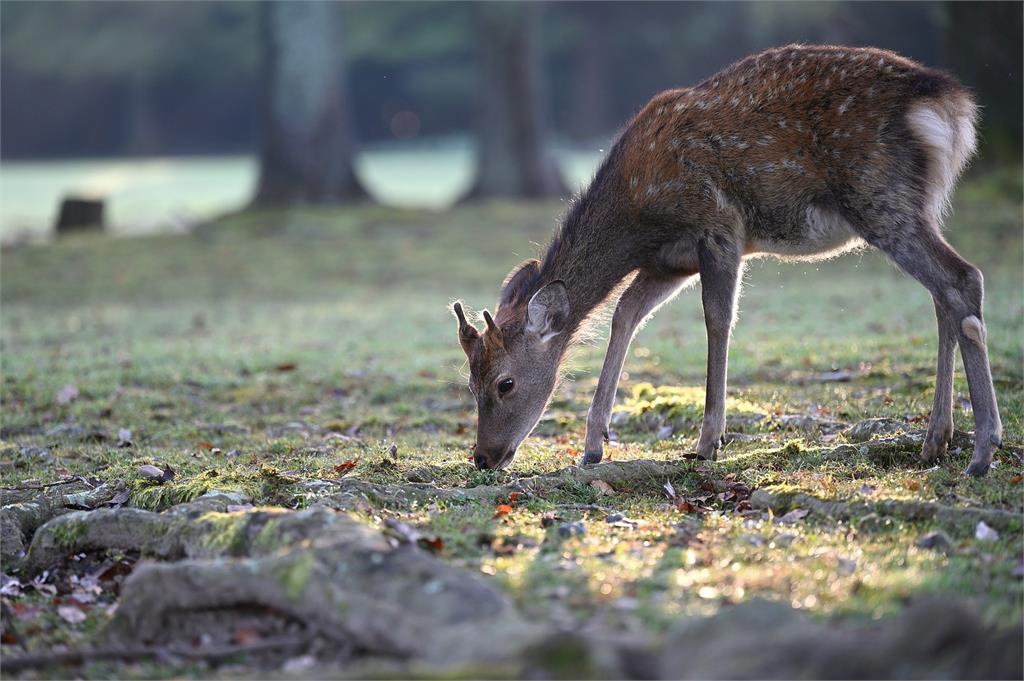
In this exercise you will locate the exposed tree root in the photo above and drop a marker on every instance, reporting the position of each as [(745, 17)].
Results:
[(338, 580), (75, 657), (317, 567), (933, 639), (24, 510)]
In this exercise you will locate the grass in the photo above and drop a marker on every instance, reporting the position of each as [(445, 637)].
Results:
[(280, 346)]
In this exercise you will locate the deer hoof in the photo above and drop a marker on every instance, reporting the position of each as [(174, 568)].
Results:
[(934, 449), (592, 457), (977, 469)]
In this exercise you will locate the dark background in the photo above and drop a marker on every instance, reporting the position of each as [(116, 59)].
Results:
[(103, 79)]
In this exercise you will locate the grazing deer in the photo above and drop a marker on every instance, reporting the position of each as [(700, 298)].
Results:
[(798, 152)]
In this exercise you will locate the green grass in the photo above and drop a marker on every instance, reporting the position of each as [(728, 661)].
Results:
[(277, 346)]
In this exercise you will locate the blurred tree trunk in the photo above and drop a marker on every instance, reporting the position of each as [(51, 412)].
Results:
[(515, 156), (591, 110), (307, 146)]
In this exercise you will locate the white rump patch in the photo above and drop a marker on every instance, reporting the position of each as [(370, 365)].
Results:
[(946, 128)]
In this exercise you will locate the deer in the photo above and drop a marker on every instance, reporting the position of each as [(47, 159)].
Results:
[(799, 152)]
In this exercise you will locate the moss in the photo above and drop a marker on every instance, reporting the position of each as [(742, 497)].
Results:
[(296, 572), (224, 533), (69, 530)]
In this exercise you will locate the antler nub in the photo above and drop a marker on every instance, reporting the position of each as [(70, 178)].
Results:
[(491, 326)]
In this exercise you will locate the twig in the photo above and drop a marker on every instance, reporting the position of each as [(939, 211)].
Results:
[(21, 662), (66, 481)]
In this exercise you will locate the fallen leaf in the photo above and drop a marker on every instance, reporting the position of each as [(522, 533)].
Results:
[(9, 586), (436, 544), (296, 665), (913, 485), (71, 614), (603, 488), (985, 533), (345, 466), (119, 499), (26, 611), (1015, 480), (150, 472), (205, 444), (245, 636), (513, 497), (794, 515), (502, 509), (67, 394), (286, 366), (669, 490), (685, 506)]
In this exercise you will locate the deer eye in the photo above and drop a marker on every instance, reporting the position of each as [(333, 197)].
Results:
[(505, 385)]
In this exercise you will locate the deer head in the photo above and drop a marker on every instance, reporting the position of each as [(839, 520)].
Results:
[(514, 362)]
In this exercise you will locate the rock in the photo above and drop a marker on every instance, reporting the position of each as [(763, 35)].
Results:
[(936, 540), (421, 474), (572, 530), (784, 539), (871, 428), (614, 518)]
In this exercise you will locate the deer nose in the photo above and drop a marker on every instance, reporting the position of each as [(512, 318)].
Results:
[(480, 460)]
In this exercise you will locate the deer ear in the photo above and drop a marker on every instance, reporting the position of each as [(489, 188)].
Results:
[(468, 334), (517, 280), (548, 312)]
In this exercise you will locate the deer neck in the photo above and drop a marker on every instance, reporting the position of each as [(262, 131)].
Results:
[(590, 256)]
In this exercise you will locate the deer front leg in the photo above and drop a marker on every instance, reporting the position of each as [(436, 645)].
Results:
[(719, 280), (638, 301)]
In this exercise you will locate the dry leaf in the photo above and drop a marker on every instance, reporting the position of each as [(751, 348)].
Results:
[(913, 485), (71, 614), (345, 466), (1015, 480), (246, 636), (151, 472), (603, 488), (436, 544), (985, 533), (513, 497), (669, 490), (794, 515), (502, 509), (286, 366)]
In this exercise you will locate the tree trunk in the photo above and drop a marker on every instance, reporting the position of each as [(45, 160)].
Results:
[(515, 157), (307, 146), (591, 105)]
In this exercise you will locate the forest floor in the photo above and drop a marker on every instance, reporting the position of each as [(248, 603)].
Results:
[(246, 451)]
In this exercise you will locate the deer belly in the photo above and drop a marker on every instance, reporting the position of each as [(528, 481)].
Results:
[(821, 234)]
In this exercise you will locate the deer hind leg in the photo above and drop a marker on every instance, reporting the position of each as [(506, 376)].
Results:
[(940, 425), (640, 299), (957, 289), (720, 266)]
